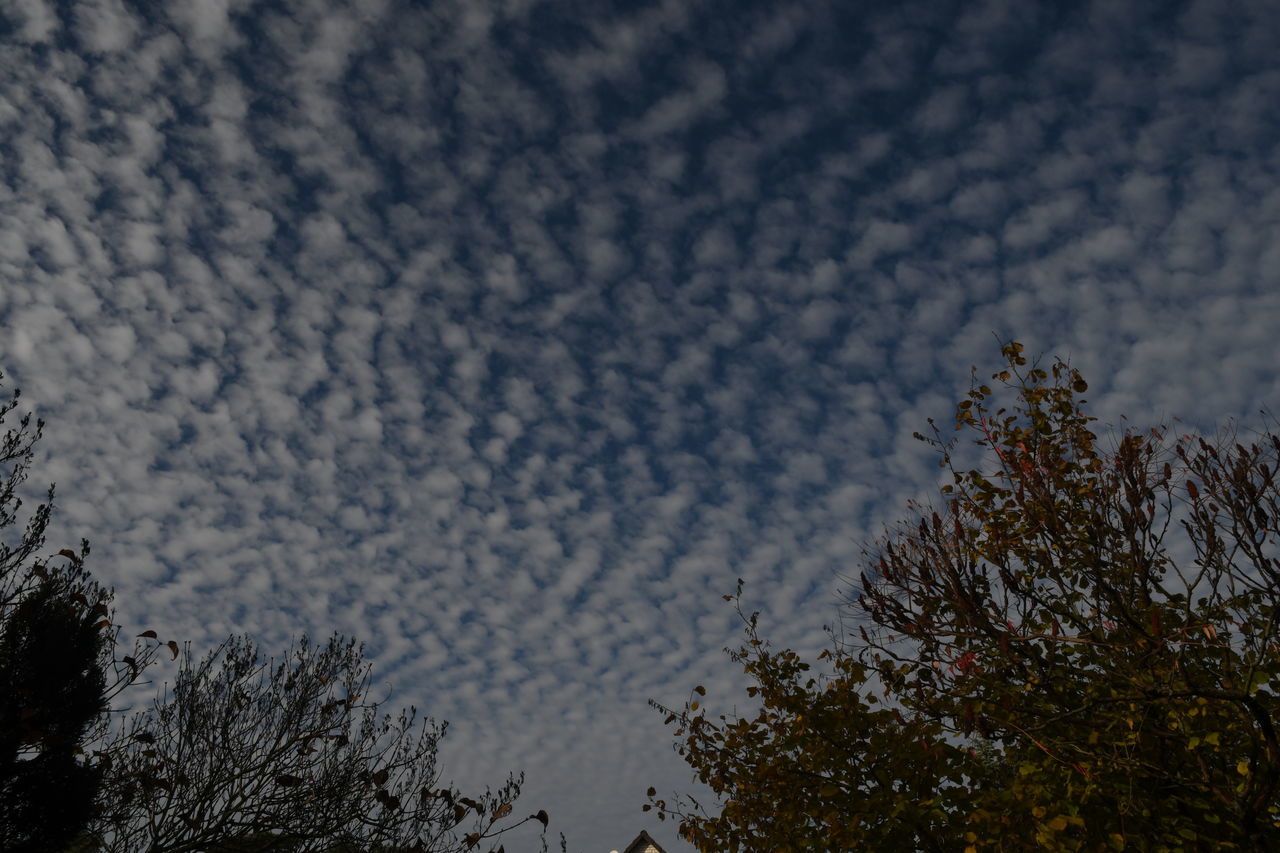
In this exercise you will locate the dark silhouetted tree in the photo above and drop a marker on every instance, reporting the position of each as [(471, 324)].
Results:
[(242, 753), (55, 655), (291, 754)]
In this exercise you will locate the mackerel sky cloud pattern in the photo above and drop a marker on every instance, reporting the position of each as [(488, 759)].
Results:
[(506, 336)]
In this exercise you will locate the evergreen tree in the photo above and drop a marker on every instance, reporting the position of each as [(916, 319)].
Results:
[(55, 650)]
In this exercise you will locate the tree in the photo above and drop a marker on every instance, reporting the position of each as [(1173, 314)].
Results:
[(823, 765), (243, 754), (55, 655), (1078, 645), (246, 753)]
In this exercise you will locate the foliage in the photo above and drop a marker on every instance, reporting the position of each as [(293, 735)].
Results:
[(245, 753), (58, 673), (822, 765), (53, 650), (1078, 645)]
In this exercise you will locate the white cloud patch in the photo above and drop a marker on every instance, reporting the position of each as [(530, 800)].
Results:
[(508, 336)]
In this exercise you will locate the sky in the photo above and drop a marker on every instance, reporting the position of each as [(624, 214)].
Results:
[(507, 335)]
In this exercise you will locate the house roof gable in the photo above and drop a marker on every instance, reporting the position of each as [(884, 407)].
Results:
[(644, 844)]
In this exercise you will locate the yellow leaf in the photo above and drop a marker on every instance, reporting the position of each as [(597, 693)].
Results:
[(1242, 767), (1059, 823), (1211, 738)]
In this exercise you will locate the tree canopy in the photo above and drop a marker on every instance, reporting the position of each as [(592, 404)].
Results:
[(1074, 648), (242, 752), (55, 655), (246, 752)]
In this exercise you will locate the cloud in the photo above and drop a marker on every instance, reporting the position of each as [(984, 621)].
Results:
[(508, 336)]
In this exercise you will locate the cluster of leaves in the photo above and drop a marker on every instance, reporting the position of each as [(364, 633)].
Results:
[(785, 777), (1079, 646)]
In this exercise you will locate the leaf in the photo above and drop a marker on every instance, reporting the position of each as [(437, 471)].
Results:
[(1050, 576), (173, 647), (69, 554), (502, 811), (150, 635), (543, 817)]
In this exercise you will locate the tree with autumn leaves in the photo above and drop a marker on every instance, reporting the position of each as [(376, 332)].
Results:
[(1073, 649)]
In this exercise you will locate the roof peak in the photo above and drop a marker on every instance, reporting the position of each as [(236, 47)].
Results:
[(644, 843)]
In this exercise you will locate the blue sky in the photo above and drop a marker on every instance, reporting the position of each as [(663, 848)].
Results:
[(506, 336)]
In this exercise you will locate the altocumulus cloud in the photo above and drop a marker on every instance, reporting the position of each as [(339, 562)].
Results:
[(507, 335)]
